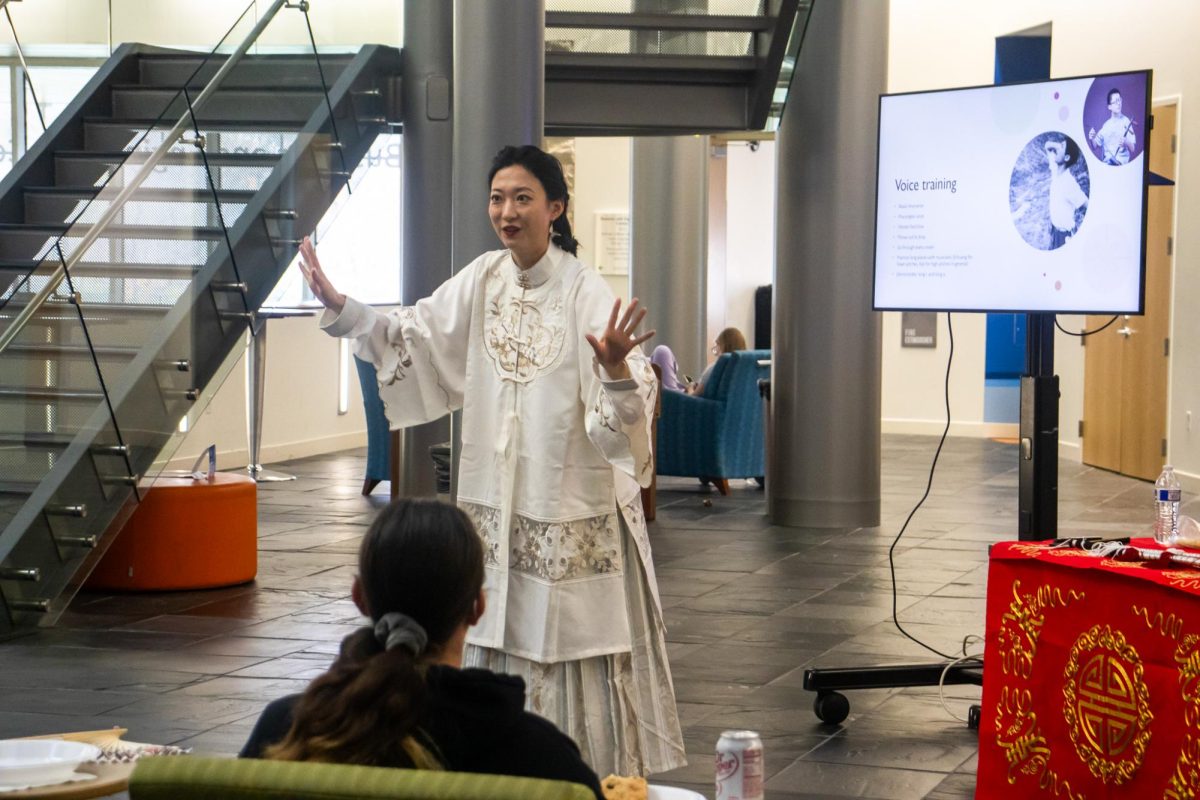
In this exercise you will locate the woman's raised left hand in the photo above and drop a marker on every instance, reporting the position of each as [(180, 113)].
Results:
[(619, 338)]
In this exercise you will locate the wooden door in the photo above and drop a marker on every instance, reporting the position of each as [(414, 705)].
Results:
[(1125, 366)]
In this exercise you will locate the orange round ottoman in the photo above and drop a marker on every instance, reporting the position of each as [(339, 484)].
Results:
[(185, 534)]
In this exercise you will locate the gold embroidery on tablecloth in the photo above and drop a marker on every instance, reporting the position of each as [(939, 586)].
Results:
[(1021, 625), (1186, 579), (1112, 563), (1030, 550), (1106, 704), (1169, 626), (1020, 737)]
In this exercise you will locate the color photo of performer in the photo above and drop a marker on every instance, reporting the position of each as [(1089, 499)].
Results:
[(557, 399)]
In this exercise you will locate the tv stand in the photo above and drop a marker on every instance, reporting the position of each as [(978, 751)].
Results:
[(1037, 513)]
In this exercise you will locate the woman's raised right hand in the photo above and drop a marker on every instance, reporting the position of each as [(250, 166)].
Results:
[(310, 265)]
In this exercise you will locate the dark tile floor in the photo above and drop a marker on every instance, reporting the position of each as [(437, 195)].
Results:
[(748, 607)]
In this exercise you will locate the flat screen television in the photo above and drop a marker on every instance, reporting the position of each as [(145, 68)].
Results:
[(1026, 197)]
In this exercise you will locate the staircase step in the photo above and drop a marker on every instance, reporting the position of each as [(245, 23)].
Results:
[(23, 242), (113, 231), (245, 171), (57, 305), (17, 268), (286, 104), (36, 440), (70, 351), (250, 135), (50, 395), (153, 206), (253, 71), (40, 440)]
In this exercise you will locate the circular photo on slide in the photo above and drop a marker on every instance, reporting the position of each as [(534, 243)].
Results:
[(1049, 189), (1114, 123)]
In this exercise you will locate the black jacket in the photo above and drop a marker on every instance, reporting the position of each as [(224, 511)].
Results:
[(478, 723)]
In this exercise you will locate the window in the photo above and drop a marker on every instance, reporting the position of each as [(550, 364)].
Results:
[(358, 239), (56, 87)]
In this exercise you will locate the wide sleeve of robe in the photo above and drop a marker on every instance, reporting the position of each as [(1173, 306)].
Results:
[(618, 413), (419, 351)]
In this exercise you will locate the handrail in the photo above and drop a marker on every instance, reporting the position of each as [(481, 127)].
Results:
[(114, 207)]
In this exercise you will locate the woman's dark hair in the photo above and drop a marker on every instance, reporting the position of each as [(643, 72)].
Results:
[(1071, 150), (549, 172), (420, 558)]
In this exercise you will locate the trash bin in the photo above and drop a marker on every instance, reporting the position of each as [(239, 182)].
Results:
[(440, 453), (764, 391)]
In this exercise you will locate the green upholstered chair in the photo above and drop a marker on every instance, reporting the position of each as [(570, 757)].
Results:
[(188, 778)]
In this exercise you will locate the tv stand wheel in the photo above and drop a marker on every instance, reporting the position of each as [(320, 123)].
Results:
[(973, 717), (832, 708)]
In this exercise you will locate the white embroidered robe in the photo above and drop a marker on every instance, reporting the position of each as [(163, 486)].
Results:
[(552, 449)]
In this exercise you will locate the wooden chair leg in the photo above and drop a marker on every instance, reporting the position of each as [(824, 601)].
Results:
[(369, 485), (722, 485)]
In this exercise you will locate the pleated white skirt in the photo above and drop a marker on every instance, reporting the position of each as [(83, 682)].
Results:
[(620, 708)]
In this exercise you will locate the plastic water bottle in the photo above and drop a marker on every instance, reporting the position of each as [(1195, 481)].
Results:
[(1166, 506)]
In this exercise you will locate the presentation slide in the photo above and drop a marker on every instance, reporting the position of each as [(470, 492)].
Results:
[(1026, 197)]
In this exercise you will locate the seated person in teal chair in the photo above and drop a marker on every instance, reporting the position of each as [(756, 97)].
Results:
[(396, 695), (728, 341)]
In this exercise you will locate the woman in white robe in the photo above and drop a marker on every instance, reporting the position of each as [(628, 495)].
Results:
[(557, 400)]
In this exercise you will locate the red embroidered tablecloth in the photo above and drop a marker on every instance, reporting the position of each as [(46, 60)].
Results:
[(1091, 677)]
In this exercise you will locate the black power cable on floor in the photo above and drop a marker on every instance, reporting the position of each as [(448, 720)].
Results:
[(911, 514)]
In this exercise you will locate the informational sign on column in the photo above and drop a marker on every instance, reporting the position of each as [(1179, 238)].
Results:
[(918, 329), (612, 242)]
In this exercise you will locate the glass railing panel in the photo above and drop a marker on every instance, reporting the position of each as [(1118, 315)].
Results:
[(788, 68), (149, 305), (50, 393), (183, 215)]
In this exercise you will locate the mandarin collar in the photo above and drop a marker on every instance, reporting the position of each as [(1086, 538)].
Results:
[(540, 272)]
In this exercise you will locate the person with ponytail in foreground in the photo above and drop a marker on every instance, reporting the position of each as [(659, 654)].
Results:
[(396, 695), (557, 401)]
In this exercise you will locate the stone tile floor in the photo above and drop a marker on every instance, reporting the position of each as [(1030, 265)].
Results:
[(748, 607)]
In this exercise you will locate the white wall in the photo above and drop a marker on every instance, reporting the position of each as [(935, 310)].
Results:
[(187, 23), (750, 231), (943, 43), (299, 403), (601, 184)]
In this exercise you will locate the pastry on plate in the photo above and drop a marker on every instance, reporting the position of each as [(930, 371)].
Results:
[(616, 787)]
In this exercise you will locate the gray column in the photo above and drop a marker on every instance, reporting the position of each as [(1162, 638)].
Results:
[(824, 464), (428, 62), (499, 69), (499, 99), (668, 242)]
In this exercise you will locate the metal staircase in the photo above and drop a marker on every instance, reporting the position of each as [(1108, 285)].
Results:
[(674, 67), (141, 233), (137, 239)]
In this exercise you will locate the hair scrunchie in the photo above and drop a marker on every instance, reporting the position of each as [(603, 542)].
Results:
[(400, 630)]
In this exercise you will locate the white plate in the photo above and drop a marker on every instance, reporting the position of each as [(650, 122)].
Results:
[(672, 793), (41, 761)]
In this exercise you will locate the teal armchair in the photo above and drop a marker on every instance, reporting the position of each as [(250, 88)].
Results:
[(188, 778), (717, 435), (379, 435)]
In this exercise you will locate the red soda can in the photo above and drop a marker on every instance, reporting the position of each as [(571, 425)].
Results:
[(739, 766)]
